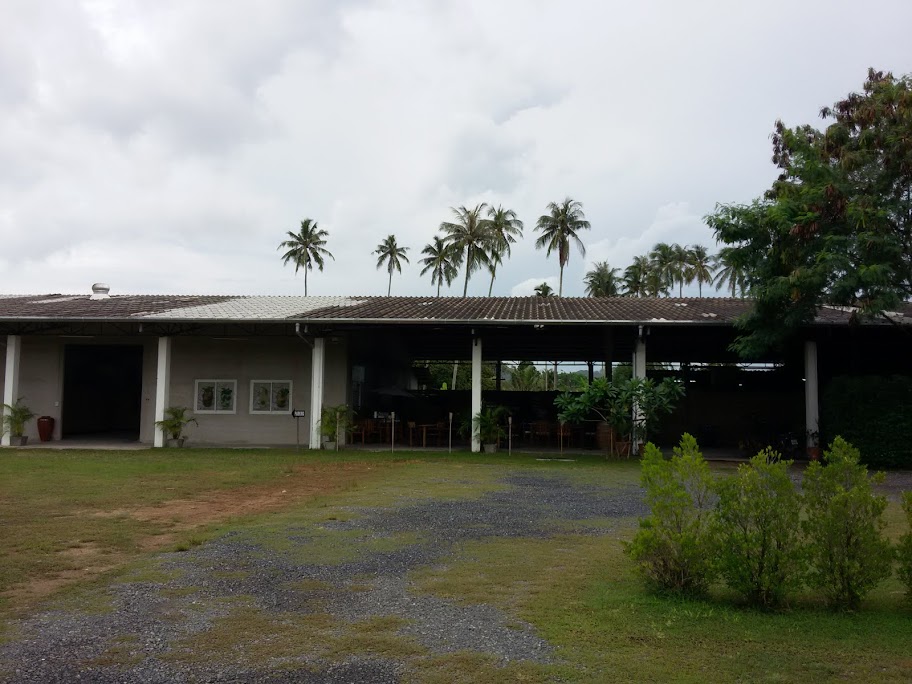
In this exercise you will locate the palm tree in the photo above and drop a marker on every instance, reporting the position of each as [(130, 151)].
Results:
[(504, 228), (306, 248), (730, 270), (680, 270), (470, 238), (390, 253), (544, 290), (439, 261), (635, 277), (663, 266), (700, 266), (559, 227), (602, 281)]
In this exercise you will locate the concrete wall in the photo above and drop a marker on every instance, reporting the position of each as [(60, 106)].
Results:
[(41, 378), (246, 360), (41, 383)]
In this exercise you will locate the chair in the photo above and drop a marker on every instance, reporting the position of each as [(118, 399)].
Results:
[(359, 427), (541, 429)]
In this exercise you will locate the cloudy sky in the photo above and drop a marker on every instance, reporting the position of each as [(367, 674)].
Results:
[(166, 146)]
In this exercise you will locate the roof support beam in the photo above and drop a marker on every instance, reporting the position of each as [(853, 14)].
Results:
[(317, 366), (811, 404), (639, 372), (162, 387), (476, 392), (11, 379)]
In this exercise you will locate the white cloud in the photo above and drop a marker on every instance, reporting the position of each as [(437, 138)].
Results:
[(171, 145)]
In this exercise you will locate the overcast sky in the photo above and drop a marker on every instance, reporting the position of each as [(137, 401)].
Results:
[(166, 146)]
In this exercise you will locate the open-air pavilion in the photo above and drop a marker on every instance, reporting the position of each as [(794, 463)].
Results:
[(111, 365)]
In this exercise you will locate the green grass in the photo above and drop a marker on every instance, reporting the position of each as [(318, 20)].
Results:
[(577, 590)]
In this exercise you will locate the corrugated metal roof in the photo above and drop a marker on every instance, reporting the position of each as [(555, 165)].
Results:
[(480, 310)]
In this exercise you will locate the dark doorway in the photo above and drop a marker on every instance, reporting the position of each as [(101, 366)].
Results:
[(102, 391)]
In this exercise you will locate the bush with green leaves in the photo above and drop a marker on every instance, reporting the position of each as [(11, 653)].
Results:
[(848, 553), (904, 552), (760, 547), (674, 548)]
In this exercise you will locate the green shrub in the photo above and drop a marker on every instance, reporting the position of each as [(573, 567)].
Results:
[(760, 549), (674, 547), (905, 547), (873, 413), (844, 527)]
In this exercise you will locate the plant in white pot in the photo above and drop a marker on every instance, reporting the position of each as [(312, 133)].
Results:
[(335, 421), (488, 425), (15, 417), (173, 424)]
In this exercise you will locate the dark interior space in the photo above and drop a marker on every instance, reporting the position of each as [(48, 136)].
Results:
[(102, 391)]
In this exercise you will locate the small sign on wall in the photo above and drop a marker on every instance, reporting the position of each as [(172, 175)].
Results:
[(298, 413)]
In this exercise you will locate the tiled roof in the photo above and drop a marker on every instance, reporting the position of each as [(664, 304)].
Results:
[(711, 310)]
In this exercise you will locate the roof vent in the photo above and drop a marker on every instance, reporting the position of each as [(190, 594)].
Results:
[(100, 291)]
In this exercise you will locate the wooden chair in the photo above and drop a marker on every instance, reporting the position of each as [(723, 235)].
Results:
[(359, 427), (541, 429)]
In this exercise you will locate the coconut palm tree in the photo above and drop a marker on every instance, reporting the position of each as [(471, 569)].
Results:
[(663, 266), (439, 261), (731, 271), (700, 266), (635, 277), (306, 248), (544, 290), (602, 281), (470, 237), (559, 227), (504, 228), (680, 271), (392, 255)]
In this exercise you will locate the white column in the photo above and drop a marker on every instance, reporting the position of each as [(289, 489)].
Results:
[(11, 379), (811, 405), (639, 371), (476, 391), (318, 358), (162, 387)]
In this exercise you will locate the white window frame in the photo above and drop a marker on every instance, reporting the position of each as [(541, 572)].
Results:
[(216, 410), (271, 412)]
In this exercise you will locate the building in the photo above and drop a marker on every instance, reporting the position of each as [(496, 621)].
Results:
[(101, 364)]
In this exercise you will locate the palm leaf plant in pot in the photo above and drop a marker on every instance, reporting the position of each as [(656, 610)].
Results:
[(15, 417), (335, 421), (488, 425), (173, 424)]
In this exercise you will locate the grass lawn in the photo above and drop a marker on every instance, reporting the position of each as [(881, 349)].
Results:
[(92, 518)]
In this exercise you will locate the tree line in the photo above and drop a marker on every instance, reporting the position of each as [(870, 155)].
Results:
[(474, 239), (481, 238)]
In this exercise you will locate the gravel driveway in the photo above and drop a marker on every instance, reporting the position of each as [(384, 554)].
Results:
[(156, 629)]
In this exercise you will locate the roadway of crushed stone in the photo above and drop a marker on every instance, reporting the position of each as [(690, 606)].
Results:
[(61, 645)]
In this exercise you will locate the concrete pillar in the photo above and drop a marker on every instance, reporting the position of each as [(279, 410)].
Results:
[(11, 379), (318, 358), (162, 387), (811, 402), (476, 390), (639, 371)]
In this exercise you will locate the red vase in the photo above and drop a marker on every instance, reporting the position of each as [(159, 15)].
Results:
[(45, 428)]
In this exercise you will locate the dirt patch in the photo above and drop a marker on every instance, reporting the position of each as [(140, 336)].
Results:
[(182, 515), (303, 483)]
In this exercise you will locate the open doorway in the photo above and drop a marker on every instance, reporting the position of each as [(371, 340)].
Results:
[(102, 391)]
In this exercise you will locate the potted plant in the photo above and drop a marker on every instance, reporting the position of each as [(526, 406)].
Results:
[(173, 424), (334, 422), (15, 417), (488, 425)]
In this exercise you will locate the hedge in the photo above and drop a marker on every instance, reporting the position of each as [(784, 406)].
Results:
[(874, 413)]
